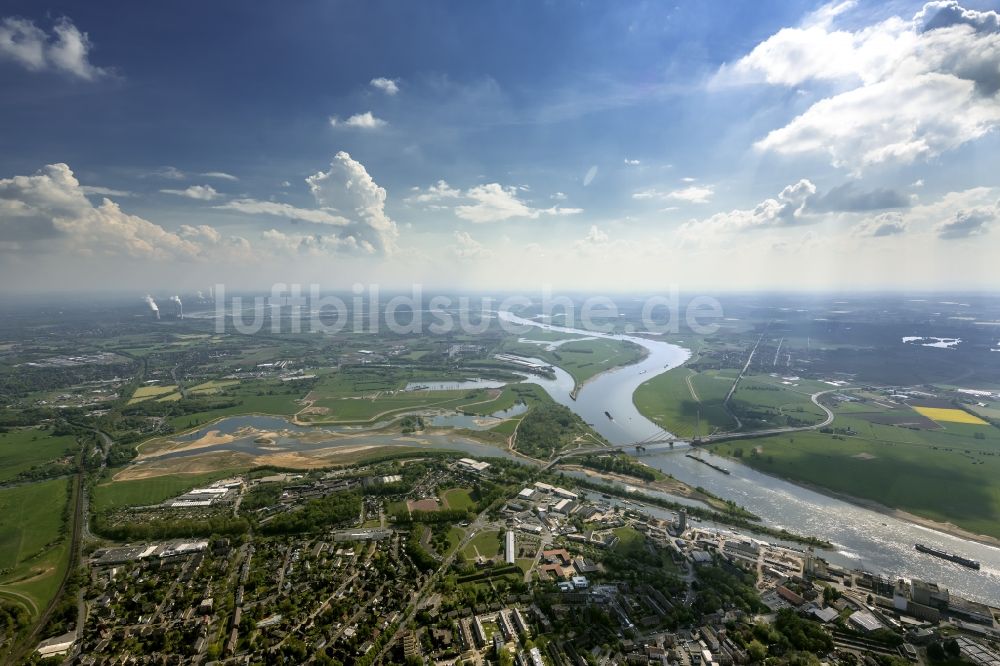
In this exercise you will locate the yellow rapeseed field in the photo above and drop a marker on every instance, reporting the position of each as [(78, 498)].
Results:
[(950, 415)]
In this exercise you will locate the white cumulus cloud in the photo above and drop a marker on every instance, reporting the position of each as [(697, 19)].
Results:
[(50, 206), (65, 50), (221, 175), (437, 192), (348, 188), (906, 89), (346, 197), (966, 223), (788, 209), (255, 207), (468, 248), (199, 192), (690, 194), (386, 85), (882, 225), (365, 121), (490, 202)]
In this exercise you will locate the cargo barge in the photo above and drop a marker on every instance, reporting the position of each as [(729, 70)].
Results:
[(951, 557)]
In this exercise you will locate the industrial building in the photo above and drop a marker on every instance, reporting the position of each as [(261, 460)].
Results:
[(864, 621), (473, 465)]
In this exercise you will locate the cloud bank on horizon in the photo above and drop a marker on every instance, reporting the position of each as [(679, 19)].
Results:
[(848, 148)]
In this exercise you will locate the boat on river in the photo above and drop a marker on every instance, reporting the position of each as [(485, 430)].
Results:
[(945, 555)]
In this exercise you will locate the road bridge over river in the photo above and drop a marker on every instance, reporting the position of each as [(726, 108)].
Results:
[(663, 437)]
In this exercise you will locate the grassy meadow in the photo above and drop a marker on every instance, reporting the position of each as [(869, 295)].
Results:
[(24, 448), (949, 474), (33, 545), (582, 359), (678, 398), (143, 492)]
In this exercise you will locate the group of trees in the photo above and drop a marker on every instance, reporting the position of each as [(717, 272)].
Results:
[(325, 512), (943, 651), (547, 429), (441, 516), (619, 464), (421, 558), (792, 638), (173, 408), (180, 528), (411, 424), (13, 618), (726, 588), (261, 495)]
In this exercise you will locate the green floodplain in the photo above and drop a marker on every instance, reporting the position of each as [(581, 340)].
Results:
[(878, 448)]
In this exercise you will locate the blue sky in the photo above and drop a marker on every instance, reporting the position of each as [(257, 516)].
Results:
[(600, 145)]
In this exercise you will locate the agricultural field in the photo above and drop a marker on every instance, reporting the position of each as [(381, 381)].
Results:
[(682, 400), (770, 401), (586, 358), (949, 415), (21, 449), (894, 456), (546, 335), (147, 392), (144, 492), (252, 397), (988, 410), (212, 387), (33, 550), (509, 396), (384, 405)]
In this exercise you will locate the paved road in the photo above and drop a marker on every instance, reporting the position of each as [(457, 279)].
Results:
[(732, 389)]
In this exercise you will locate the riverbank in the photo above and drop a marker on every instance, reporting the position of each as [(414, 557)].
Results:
[(578, 386), (899, 514), (703, 514), (946, 528), (668, 485)]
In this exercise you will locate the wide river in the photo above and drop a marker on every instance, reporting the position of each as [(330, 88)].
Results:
[(863, 538)]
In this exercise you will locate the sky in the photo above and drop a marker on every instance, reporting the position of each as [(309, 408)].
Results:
[(608, 146)]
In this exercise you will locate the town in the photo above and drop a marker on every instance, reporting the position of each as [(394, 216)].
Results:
[(451, 560)]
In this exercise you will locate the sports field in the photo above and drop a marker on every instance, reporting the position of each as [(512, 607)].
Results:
[(486, 544), (458, 498)]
